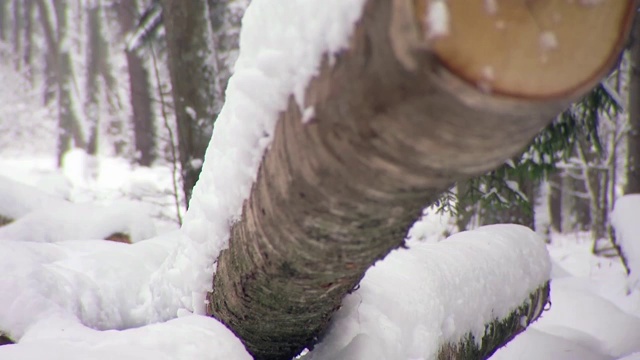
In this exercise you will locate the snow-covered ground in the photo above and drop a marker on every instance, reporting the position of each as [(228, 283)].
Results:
[(594, 314)]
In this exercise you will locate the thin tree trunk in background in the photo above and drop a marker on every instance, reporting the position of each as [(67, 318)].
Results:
[(95, 45), (51, 52), (27, 56), (338, 193), (114, 126), (70, 133), (192, 67), (633, 162), (143, 128), (555, 201), (17, 33), (60, 71), (3, 20), (575, 201), (593, 183)]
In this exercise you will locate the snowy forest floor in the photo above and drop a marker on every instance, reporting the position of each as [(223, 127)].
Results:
[(593, 316)]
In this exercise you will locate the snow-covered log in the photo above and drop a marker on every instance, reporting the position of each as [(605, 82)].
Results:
[(624, 220), (418, 94)]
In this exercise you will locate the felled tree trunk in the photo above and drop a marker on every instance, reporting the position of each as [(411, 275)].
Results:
[(399, 116)]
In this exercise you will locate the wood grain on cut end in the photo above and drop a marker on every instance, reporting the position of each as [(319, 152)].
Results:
[(531, 49)]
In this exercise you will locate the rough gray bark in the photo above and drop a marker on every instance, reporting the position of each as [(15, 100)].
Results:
[(143, 128), (632, 185), (338, 193), (192, 65)]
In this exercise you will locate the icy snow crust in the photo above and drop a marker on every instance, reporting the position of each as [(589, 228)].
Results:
[(52, 294)]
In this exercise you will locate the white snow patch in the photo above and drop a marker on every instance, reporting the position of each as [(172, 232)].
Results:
[(196, 163), (548, 41), (308, 114), (591, 2), (491, 7), (624, 219), (437, 19)]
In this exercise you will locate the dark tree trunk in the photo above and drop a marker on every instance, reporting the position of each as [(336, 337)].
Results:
[(338, 193), (27, 57), (17, 33), (633, 163), (193, 83), (143, 128), (3, 20), (59, 66), (555, 201), (70, 133), (95, 56), (225, 18)]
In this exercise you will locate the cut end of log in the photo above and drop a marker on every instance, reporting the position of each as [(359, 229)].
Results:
[(526, 49)]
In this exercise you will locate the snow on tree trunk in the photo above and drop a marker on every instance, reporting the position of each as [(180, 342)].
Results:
[(421, 98)]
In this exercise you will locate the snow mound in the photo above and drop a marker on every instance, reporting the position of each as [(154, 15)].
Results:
[(189, 337), (17, 200), (63, 221), (418, 299), (624, 219)]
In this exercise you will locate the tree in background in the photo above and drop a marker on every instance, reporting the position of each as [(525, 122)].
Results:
[(632, 185), (143, 124), (199, 70), (55, 19), (566, 163), (194, 83)]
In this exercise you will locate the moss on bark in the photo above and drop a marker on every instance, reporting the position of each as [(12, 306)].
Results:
[(499, 332)]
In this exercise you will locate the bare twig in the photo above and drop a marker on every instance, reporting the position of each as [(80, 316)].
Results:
[(172, 145)]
